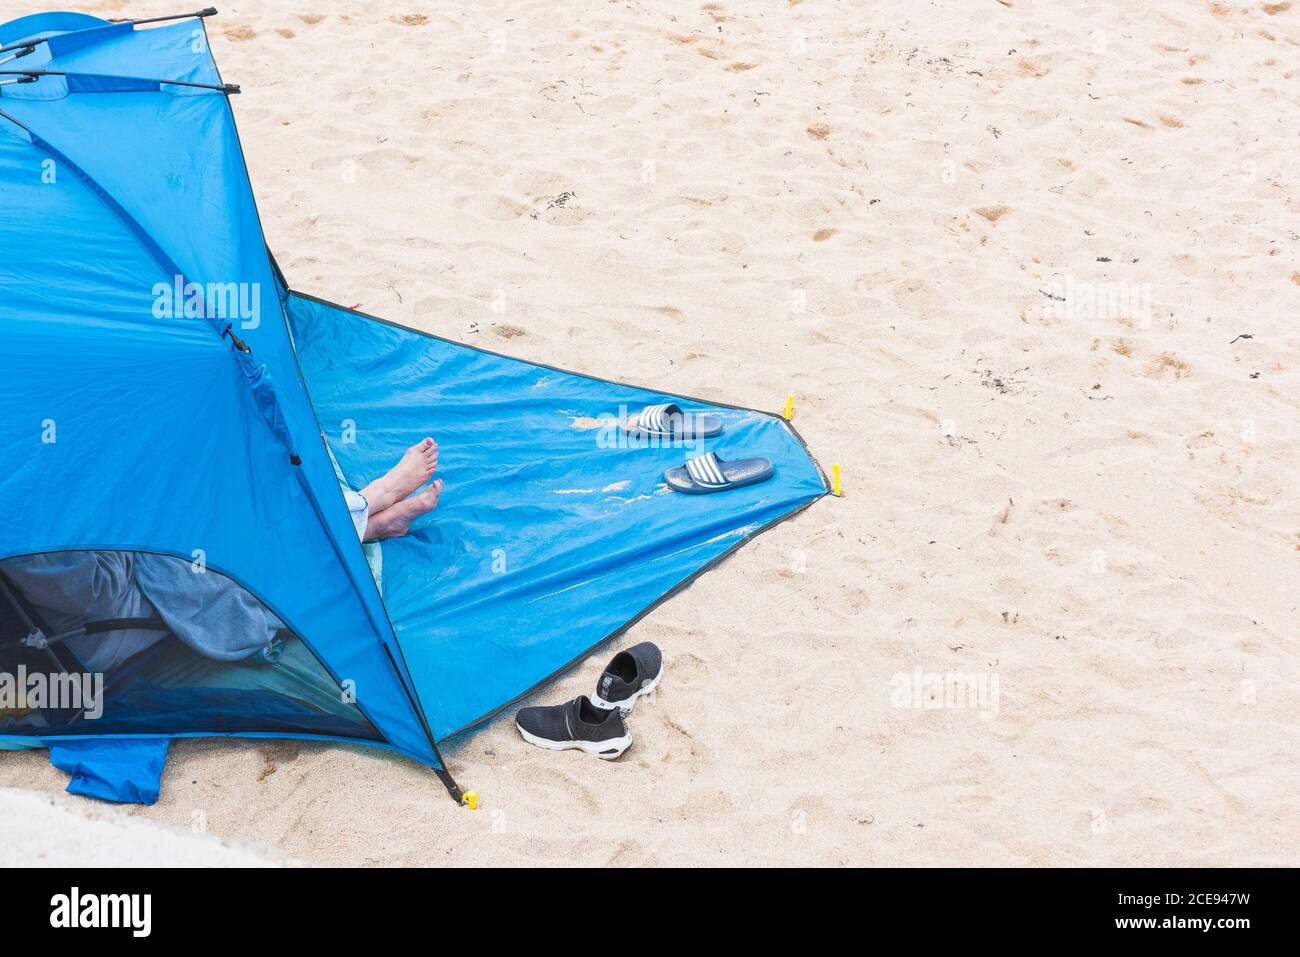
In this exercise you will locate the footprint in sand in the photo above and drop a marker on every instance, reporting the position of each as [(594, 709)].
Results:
[(507, 331), (1165, 364), (993, 213), (1028, 68)]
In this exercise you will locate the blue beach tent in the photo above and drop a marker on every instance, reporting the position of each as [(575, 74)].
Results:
[(163, 392)]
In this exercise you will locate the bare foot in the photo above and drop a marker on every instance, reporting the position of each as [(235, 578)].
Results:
[(395, 521), (416, 467)]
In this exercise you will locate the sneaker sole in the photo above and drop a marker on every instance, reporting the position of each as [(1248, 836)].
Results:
[(605, 750), (627, 704)]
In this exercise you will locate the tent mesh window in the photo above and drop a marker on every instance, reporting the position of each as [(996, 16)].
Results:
[(121, 642)]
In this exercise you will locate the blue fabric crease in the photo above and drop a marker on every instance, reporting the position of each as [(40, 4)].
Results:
[(124, 770)]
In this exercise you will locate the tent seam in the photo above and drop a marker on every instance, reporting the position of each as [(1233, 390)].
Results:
[(402, 679)]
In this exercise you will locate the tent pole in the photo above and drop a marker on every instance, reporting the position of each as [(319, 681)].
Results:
[(27, 46), (205, 12), (443, 774), (31, 76), (412, 694)]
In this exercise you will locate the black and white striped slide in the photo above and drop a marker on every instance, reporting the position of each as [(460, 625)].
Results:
[(668, 421), (708, 473)]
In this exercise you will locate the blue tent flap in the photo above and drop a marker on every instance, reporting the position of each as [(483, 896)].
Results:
[(125, 770), (554, 531)]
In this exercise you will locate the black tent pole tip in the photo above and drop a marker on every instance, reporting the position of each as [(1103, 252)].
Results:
[(19, 50), (205, 12)]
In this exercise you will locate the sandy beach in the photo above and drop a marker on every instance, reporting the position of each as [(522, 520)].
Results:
[(1032, 273)]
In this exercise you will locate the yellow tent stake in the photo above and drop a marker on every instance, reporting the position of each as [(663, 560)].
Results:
[(789, 406), (470, 798), (835, 472)]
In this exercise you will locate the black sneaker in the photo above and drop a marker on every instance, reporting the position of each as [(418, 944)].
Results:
[(575, 725), (631, 674)]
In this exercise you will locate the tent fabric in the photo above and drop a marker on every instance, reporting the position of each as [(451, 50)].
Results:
[(124, 770), (554, 530), (43, 24), (159, 373)]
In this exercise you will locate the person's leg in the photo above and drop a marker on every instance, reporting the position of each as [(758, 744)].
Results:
[(395, 521), (416, 467)]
